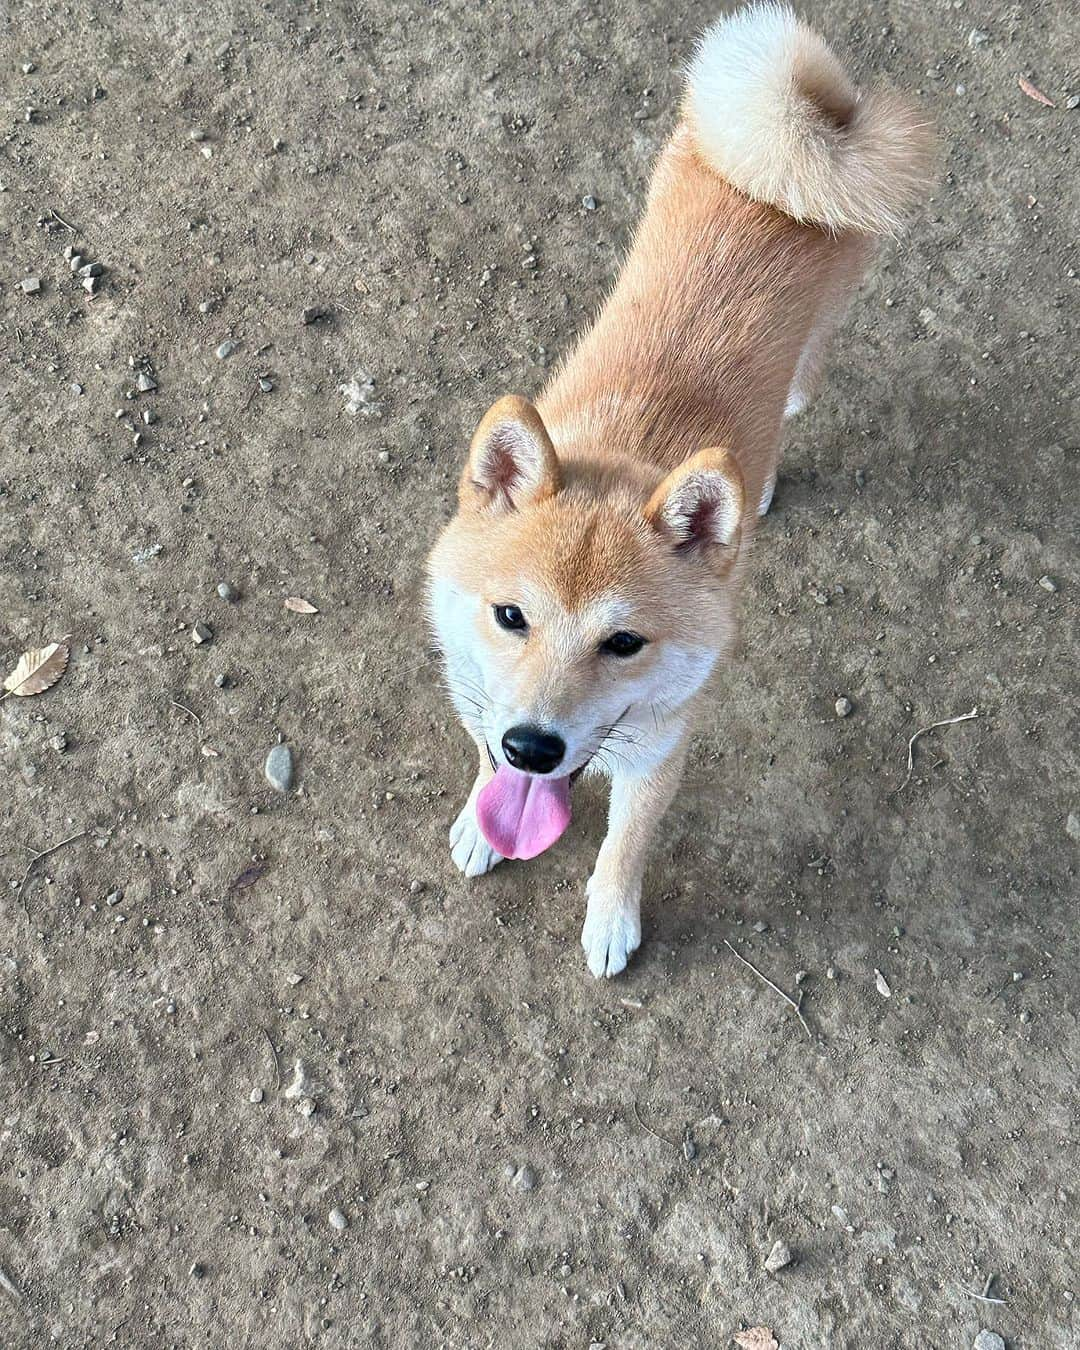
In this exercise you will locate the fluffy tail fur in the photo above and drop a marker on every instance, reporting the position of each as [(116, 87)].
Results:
[(774, 112)]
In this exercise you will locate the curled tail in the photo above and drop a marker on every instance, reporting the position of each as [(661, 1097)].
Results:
[(775, 113)]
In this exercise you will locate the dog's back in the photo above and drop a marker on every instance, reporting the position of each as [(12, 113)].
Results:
[(762, 215)]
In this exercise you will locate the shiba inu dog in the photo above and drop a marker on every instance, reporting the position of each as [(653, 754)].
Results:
[(587, 587)]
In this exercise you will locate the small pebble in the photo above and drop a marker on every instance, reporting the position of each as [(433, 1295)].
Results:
[(1073, 102), (91, 270), (59, 742), (265, 385), (30, 285), (689, 1149), (228, 592), (589, 202), (312, 314), (1072, 825), (525, 1179), (780, 1256), (90, 285), (415, 887), (145, 383), (978, 37), (844, 707), (279, 768), (882, 984), (255, 1095), (1048, 584), (221, 681), (988, 1340), (201, 633), (196, 1270), (226, 349), (338, 1220)]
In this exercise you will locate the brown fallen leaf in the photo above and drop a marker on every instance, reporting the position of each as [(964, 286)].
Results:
[(298, 605), (756, 1338), (249, 876), (37, 670), (1036, 94)]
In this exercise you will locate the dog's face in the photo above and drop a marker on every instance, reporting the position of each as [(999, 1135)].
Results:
[(578, 608)]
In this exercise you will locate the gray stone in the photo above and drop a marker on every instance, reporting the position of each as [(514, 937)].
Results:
[(228, 592), (255, 1095), (780, 1256), (589, 202), (988, 1340), (338, 1220), (91, 270), (279, 768), (201, 633), (145, 383), (1072, 825), (226, 348), (30, 285), (525, 1179), (90, 285), (1048, 584), (844, 707)]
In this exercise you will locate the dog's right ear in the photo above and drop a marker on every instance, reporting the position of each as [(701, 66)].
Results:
[(511, 460)]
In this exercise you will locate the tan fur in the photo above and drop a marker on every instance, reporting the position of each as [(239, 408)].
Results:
[(599, 508)]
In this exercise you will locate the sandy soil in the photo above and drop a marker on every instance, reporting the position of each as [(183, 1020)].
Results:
[(521, 1156)]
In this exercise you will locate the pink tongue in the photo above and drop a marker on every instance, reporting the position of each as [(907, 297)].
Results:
[(519, 815)]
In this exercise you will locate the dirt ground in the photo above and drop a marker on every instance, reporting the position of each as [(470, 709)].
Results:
[(228, 1014)]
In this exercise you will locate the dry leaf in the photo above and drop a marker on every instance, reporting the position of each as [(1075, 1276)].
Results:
[(249, 876), (756, 1338), (1032, 92), (299, 605), (37, 670)]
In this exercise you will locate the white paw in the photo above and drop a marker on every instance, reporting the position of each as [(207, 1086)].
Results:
[(612, 933), (469, 849), (797, 402)]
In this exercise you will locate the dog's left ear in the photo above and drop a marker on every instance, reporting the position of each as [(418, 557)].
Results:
[(699, 507), (511, 460)]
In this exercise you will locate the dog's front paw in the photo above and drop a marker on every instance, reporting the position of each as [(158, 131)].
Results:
[(612, 931), (469, 849)]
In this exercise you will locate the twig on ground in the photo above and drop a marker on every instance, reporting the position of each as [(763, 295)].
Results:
[(184, 708), (946, 722), (985, 1296), (9, 1285), (57, 216), (786, 997), (273, 1051), (44, 853), (649, 1130)]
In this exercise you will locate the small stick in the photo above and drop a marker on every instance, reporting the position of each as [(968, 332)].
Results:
[(44, 854), (184, 708), (277, 1066), (62, 221), (947, 722), (786, 997), (983, 1298), (649, 1130)]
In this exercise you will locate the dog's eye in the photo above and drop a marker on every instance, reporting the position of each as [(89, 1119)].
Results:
[(511, 618), (623, 644)]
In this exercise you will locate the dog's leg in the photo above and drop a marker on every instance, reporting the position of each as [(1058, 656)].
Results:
[(469, 849), (612, 928)]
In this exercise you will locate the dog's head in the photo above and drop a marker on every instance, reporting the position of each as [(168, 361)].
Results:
[(579, 603)]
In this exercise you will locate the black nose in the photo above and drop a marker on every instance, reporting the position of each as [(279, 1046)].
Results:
[(532, 749)]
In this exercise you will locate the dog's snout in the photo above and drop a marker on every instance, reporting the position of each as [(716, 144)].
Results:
[(533, 750)]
